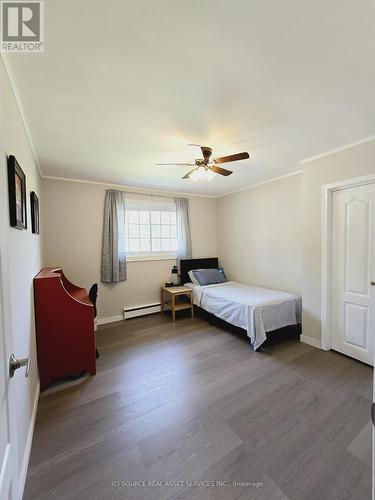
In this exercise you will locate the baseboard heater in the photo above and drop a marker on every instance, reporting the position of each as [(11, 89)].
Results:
[(133, 312)]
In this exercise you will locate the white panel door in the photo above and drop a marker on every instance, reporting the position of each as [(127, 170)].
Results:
[(7, 449), (9, 481), (353, 271)]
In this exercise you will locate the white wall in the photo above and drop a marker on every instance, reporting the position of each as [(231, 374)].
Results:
[(73, 224), (22, 257), (348, 163), (260, 234)]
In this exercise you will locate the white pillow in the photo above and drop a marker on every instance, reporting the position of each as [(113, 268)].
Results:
[(192, 277)]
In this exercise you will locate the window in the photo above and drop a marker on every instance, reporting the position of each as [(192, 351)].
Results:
[(150, 229)]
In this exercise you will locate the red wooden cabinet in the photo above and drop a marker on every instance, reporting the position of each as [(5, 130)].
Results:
[(64, 317)]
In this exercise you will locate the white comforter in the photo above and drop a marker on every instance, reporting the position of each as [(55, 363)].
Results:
[(257, 310)]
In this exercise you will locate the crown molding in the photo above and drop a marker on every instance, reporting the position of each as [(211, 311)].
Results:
[(21, 110), (251, 186), (337, 150), (131, 189), (161, 192)]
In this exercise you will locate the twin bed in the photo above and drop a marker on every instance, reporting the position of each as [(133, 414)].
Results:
[(254, 309)]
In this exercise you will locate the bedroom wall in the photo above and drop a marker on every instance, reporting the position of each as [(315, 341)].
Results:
[(348, 163), (21, 259), (260, 234), (73, 237)]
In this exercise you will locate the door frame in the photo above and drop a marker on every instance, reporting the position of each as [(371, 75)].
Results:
[(326, 252), (5, 284), (8, 349)]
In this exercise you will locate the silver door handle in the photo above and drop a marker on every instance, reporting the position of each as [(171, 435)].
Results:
[(15, 363)]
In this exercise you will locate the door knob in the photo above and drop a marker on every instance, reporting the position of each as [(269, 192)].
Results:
[(372, 283), (15, 363)]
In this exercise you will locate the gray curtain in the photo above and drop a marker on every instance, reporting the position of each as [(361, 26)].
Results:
[(113, 250), (183, 229)]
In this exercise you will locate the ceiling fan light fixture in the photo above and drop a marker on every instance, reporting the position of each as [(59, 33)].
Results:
[(202, 174), (205, 167)]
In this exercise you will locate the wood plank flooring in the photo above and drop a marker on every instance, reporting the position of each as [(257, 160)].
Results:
[(191, 402)]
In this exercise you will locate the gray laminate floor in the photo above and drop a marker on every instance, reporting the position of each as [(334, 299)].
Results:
[(190, 402)]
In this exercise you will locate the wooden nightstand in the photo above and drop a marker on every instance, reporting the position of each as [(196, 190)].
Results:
[(169, 299)]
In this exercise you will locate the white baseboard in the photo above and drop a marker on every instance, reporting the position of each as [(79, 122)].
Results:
[(311, 341), (29, 441), (110, 319)]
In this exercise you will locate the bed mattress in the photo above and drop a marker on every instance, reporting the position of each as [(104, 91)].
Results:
[(256, 310)]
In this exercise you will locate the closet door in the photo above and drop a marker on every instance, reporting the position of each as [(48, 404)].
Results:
[(353, 272)]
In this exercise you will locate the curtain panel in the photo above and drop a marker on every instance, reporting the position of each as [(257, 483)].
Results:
[(183, 229), (113, 268)]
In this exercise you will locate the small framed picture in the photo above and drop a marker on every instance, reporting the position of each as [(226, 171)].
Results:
[(17, 194), (34, 204)]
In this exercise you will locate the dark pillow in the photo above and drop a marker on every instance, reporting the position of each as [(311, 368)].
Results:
[(209, 276)]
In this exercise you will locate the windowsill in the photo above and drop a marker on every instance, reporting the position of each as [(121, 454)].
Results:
[(142, 258)]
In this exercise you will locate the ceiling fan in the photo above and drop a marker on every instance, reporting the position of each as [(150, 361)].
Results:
[(206, 168)]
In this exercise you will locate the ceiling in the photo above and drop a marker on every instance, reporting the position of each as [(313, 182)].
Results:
[(123, 85)]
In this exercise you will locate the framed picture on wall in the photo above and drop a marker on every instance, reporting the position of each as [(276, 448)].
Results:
[(34, 204), (17, 194)]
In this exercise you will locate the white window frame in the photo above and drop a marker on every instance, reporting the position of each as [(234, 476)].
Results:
[(150, 205)]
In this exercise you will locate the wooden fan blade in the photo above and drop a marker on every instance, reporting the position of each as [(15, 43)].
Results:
[(178, 164), (186, 176), (206, 152), (221, 171), (236, 157)]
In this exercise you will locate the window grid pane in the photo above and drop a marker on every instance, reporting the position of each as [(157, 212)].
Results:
[(148, 231)]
